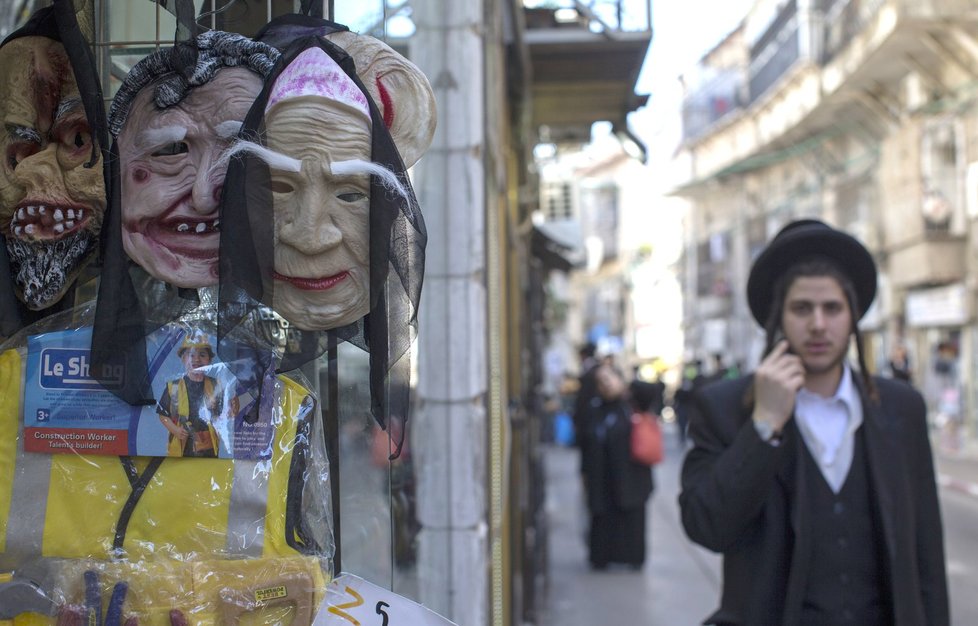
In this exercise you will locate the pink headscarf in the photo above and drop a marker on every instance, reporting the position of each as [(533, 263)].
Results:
[(315, 73)]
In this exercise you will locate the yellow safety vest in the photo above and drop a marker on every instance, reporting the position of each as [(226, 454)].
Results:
[(180, 402), (163, 516)]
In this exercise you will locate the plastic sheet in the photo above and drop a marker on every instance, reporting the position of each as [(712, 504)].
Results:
[(183, 539)]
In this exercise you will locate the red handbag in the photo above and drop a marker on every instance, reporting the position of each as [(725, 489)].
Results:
[(646, 439)]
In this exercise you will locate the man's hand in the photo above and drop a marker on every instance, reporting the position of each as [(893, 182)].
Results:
[(776, 381)]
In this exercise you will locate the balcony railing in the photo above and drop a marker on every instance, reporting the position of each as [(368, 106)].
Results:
[(712, 102), (843, 20), (606, 16), (775, 52)]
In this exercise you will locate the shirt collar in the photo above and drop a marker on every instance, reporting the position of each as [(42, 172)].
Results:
[(846, 392)]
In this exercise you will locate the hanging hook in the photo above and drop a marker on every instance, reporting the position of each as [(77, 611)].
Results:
[(222, 9)]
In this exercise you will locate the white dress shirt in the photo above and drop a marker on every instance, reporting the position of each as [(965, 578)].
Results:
[(828, 426)]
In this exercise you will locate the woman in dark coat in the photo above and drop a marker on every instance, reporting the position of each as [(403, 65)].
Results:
[(617, 487)]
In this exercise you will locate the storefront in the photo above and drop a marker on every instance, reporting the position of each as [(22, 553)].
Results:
[(941, 338)]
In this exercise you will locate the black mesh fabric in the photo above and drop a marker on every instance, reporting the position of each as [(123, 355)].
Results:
[(132, 304), (58, 22), (397, 242)]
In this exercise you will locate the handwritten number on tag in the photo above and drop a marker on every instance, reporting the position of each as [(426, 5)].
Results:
[(340, 609), (381, 611)]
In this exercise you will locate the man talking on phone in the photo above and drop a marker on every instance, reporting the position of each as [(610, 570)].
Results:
[(813, 478)]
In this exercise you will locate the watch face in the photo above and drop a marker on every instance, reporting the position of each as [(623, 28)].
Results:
[(765, 431)]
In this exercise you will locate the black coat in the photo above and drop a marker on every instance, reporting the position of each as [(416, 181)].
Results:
[(737, 494), (611, 477), (587, 391)]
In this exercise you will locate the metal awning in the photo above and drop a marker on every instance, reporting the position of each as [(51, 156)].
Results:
[(579, 77), (558, 245)]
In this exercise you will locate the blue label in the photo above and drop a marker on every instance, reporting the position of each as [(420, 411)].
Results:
[(64, 368), (64, 400)]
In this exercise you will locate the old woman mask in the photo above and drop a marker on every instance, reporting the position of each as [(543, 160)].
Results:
[(318, 123)]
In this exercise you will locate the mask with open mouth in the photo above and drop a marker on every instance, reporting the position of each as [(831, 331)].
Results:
[(172, 173), (52, 190)]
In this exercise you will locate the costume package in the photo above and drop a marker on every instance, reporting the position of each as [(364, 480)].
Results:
[(168, 464), (210, 503)]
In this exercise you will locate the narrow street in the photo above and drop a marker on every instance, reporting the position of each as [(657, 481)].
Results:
[(680, 582)]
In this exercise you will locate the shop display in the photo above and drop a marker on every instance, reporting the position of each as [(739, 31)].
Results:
[(164, 462)]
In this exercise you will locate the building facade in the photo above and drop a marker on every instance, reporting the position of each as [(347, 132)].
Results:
[(861, 113)]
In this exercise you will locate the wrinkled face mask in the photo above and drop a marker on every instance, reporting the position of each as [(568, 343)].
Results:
[(173, 170), (51, 205), (317, 121), (322, 263)]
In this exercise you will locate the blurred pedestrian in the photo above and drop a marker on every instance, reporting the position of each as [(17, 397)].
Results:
[(647, 396), (616, 487), (899, 364), (947, 380), (586, 387), (692, 378), (812, 478), (719, 368)]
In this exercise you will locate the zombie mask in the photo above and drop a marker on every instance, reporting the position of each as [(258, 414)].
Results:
[(52, 196)]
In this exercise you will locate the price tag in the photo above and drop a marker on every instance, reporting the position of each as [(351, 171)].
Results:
[(352, 601)]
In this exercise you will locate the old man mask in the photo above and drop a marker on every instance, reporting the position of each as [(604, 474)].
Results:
[(319, 143)]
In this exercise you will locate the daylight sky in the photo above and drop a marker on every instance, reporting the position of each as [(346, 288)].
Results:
[(682, 32)]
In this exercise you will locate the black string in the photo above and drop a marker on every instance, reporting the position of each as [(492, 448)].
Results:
[(131, 472), (331, 433), (138, 487), (296, 533)]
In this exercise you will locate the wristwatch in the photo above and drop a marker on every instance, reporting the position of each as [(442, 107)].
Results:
[(767, 433)]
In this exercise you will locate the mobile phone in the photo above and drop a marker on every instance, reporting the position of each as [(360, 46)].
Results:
[(778, 336)]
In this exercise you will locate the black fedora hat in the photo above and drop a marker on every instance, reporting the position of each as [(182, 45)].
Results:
[(802, 240)]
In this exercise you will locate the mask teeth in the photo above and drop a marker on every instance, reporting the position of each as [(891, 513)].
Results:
[(34, 219), (199, 227)]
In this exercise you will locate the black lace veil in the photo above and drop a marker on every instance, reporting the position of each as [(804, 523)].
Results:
[(397, 241)]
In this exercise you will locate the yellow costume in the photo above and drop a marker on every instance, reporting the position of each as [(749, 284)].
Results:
[(179, 397), (179, 530)]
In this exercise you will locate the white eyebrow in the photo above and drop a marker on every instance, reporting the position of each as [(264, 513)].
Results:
[(275, 160), (359, 166), (152, 138), (228, 129)]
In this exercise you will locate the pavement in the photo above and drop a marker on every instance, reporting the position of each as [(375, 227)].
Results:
[(957, 469), (680, 582)]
